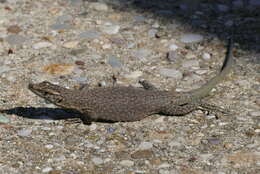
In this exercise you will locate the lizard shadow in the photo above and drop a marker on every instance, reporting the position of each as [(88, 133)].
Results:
[(47, 113)]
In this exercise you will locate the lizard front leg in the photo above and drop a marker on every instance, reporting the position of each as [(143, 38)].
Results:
[(147, 85)]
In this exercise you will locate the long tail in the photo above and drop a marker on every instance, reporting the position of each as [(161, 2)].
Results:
[(225, 69)]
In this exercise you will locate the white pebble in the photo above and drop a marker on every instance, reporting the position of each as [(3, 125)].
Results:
[(127, 163), (206, 56), (145, 145), (98, 6), (24, 132), (40, 45), (97, 160), (46, 169)]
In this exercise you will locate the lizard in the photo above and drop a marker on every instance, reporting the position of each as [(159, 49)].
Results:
[(127, 103)]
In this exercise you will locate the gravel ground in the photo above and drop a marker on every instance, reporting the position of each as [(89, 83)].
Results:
[(176, 47)]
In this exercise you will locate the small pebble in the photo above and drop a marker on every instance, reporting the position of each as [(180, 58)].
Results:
[(40, 45), (206, 56), (172, 56), (97, 160), (214, 141), (152, 33), (49, 146), (191, 38), (194, 64), (4, 119), (255, 113), (61, 26), (15, 39), (64, 19), (15, 29), (134, 75), (24, 132), (141, 53), (145, 145), (114, 62), (47, 169), (127, 163), (171, 73), (98, 6), (90, 35), (93, 127), (173, 47), (71, 44), (139, 19), (111, 130), (164, 165), (163, 171), (110, 29)]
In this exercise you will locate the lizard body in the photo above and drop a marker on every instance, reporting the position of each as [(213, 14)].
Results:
[(130, 103)]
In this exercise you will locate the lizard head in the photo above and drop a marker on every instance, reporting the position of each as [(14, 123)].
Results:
[(49, 91)]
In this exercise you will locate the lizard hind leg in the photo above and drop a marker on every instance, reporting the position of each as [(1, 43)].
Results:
[(212, 108)]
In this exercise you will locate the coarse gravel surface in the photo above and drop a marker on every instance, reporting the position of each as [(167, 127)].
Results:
[(176, 45)]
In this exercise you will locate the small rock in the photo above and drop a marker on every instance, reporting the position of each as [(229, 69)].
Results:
[(40, 45), (93, 127), (49, 146), (111, 130), (90, 35), (97, 161), (201, 71), (173, 47), (15, 29), (141, 53), (163, 171), (114, 62), (164, 165), (110, 29), (145, 154), (145, 145), (24, 132), (134, 75), (4, 119), (64, 19), (205, 157), (214, 141), (159, 120), (15, 39), (172, 56), (255, 113), (139, 19), (71, 44), (194, 64), (171, 73), (76, 52), (59, 69), (127, 163), (152, 33), (206, 56), (47, 169), (191, 38), (98, 6), (79, 62), (61, 26), (117, 41)]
